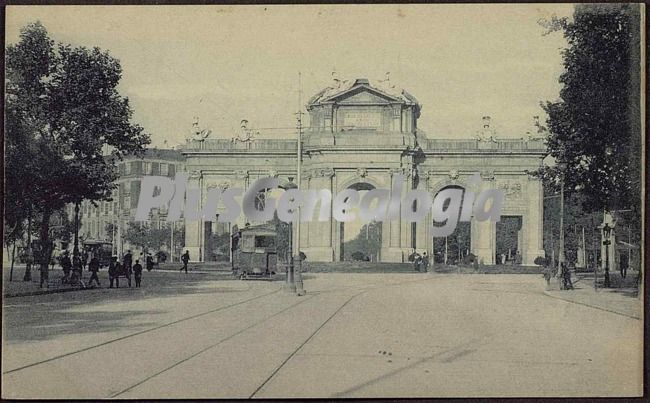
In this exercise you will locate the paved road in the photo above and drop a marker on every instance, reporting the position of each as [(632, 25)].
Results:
[(352, 335)]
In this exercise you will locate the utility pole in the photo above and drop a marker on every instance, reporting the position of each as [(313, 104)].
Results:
[(298, 271), (560, 278)]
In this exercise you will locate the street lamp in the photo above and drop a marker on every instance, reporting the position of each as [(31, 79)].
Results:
[(607, 231), (292, 272), (562, 167)]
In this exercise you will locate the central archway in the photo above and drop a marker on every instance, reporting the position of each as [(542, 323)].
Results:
[(358, 240), (453, 249)]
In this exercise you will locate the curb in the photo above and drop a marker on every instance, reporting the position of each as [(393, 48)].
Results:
[(43, 292), (590, 306)]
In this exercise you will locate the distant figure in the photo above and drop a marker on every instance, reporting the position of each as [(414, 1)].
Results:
[(137, 273), (66, 265), (503, 258), (425, 262), (518, 258), (128, 261), (185, 259), (417, 261), (113, 271), (149, 262), (566, 276), (93, 267), (84, 259)]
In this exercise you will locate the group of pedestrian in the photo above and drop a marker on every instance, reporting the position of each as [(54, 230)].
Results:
[(72, 269), (421, 262)]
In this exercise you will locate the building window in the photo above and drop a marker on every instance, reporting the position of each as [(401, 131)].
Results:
[(164, 171)]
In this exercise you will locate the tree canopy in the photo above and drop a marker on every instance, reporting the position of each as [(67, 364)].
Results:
[(594, 128), (62, 109)]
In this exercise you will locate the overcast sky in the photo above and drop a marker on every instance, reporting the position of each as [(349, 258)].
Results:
[(227, 63)]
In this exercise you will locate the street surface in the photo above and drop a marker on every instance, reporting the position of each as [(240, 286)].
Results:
[(352, 335)]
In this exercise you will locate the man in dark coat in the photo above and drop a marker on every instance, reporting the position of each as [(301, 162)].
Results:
[(137, 272), (113, 271), (66, 265), (185, 259), (93, 267)]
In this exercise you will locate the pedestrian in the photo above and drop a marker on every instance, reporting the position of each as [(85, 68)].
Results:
[(84, 259), (76, 268), (149, 262), (425, 262), (128, 261), (93, 267), (185, 259), (66, 266), (137, 273), (417, 261), (113, 271), (566, 276)]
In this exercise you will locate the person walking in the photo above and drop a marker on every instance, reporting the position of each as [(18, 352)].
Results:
[(137, 273), (566, 276), (113, 271), (93, 267), (66, 265), (185, 259), (425, 262), (128, 261), (149, 262), (417, 261)]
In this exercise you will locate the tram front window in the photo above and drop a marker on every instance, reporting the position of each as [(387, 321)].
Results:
[(264, 242)]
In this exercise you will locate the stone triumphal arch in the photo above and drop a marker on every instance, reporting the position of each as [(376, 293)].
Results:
[(363, 133)]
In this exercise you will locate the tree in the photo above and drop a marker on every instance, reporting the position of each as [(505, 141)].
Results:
[(595, 125), (146, 237), (368, 242), (63, 107)]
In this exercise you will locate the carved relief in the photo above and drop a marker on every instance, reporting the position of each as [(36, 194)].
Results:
[(241, 174), (512, 189), (196, 174), (487, 174), (453, 174), (362, 172)]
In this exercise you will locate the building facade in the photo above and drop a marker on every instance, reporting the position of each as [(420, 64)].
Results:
[(94, 219), (361, 136)]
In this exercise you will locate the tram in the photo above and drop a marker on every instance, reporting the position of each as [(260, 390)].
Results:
[(101, 249), (254, 253)]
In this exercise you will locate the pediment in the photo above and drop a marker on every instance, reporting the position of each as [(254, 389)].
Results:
[(363, 95)]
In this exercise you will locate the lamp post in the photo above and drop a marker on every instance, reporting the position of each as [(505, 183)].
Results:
[(75, 250), (291, 277), (562, 167), (607, 231)]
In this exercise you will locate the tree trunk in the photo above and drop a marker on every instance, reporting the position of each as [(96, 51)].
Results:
[(13, 259), (28, 266), (46, 247)]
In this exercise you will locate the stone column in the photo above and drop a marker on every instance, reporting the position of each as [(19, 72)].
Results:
[(484, 238), (423, 241), (318, 239), (396, 250), (532, 223), (194, 229)]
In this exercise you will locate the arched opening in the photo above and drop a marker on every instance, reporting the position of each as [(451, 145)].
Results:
[(509, 240), (359, 240), (457, 247)]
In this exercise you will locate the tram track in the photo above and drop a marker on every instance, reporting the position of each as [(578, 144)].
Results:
[(211, 346), (144, 331), (361, 290)]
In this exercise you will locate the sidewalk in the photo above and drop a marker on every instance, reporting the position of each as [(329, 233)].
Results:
[(20, 288), (622, 301)]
